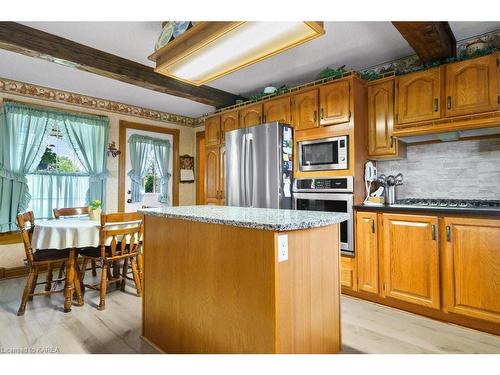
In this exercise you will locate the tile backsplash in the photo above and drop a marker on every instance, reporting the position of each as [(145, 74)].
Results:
[(453, 170)]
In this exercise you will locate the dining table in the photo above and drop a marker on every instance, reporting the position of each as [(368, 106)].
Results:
[(71, 233), (67, 233)]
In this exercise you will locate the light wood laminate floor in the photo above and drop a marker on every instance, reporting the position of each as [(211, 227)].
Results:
[(366, 327)]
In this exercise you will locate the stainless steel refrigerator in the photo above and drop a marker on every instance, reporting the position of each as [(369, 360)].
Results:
[(259, 166)]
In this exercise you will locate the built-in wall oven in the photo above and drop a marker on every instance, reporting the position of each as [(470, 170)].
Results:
[(323, 154), (330, 195)]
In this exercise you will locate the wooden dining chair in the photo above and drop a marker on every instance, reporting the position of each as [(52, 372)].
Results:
[(37, 260), (120, 236), (71, 212)]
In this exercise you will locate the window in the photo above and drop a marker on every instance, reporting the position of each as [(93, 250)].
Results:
[(151, 179)]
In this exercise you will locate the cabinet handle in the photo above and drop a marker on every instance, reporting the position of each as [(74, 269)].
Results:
[(264, 119), (322, 113), (260, 119), (448, 233), (315, 116), (433, 231), (436, 104), (448, 102), (373, 226), (392, 141), (217, 136)]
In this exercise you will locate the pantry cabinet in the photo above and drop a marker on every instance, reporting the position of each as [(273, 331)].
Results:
[(335, 103), (251, 115), (381, 142), (471, 258), (214, 176), (305, 110), (410, 255), (277, 110), (367, 252), (419, 96), (471, 86), (212, 131)]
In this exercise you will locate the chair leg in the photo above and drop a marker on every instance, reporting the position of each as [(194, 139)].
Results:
[(137, 281), (33, 285), (61, 270), (94, 272), (48, 286), (124, 274), (26, 292), (104, 284), (140, 266), (84, 269), (77, 286)]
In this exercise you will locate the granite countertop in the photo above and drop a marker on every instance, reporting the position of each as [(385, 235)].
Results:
[(427, 209), (246, 217)]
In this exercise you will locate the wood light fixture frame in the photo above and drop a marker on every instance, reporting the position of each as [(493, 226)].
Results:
[(201, 36), (122, 173)]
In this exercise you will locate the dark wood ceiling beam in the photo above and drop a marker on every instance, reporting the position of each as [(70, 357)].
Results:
[(28, 41), (430, 40)]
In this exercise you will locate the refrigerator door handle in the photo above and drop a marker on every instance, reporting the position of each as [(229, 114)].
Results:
[(243, 172), (250, 170), (248, 196)]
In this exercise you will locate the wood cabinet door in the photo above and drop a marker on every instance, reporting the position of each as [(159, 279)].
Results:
[(305, 110), (471, 267), (277, 110), (367, 251), (229, 121), (212, 167), (222, 175), (419, 96), (250, 116), (381, 119), (334, 103), (411, 259), (472, 86), (348, 272), (212, 131)]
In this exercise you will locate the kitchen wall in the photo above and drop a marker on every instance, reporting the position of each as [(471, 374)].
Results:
[(13, 255), (454, 170)]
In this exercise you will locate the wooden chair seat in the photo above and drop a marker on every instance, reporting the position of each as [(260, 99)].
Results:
[(53, 255)]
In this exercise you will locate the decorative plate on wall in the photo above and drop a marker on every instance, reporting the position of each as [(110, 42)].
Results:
[(180, 27)]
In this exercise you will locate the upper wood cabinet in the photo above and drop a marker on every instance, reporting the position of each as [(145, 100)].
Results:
[(229, 121), (472, 268), (212, 174), (367, 252), (472, 86), (305, 110), (251, 115), (277, 110), (419, 96), (410, 254), (381, 142), (334, 102), (212, 131)]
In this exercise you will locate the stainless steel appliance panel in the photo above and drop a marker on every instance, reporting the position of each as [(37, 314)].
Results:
[(262, 166), (235, 167)]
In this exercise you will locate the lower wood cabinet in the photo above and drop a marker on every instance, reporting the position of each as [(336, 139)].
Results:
[(410, 255), (367, 252), (471, 264), (348, 272)]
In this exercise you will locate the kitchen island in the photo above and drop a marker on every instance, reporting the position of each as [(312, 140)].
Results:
[(241, 280)]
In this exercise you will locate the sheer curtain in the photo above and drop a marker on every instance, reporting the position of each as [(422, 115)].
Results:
[(88, 136), (23, 135), (162, 158), (139, 150)]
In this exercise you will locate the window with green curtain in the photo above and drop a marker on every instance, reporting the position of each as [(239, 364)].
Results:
[(49, 159)]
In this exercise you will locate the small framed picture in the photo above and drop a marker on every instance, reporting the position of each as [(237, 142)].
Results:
[(187, 169)]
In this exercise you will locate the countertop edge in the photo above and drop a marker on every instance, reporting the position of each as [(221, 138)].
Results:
[(437, 210)]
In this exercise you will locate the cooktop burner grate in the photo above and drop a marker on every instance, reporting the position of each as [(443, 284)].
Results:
[(450, 203)]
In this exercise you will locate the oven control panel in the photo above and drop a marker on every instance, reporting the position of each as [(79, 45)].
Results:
[(339, 184)]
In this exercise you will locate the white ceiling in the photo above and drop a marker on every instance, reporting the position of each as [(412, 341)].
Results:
[(356, 44)]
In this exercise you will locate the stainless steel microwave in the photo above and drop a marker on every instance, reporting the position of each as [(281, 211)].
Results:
[(323, 154)]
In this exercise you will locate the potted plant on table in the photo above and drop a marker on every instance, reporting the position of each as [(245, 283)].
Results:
[(95, 210)]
